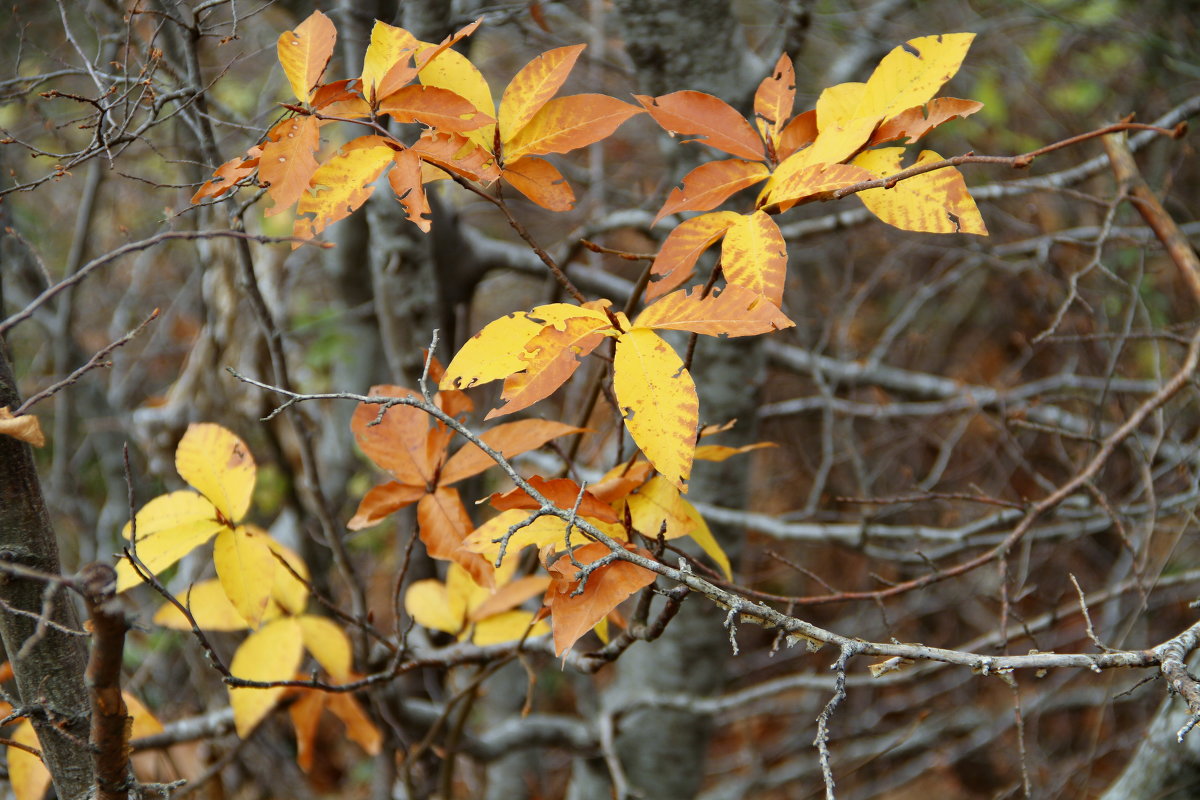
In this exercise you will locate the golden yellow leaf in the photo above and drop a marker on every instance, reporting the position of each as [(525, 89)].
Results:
[(702, 535), (305, 51), (732, 311), (246, 570), (168, 528), (27, 774), (288, 593), (328, 644), (342, 184), (720, 452), (911, 74), (542, 531), (658, 401), (452, 70), (507, 626), (533, 86), (25, 427), (798, 179), (431, 605), (934, 202), (551, 359), (287, 161), (271, 653), (209, 606), (389, 62), (754, 257), (569, 123), (658, 507), (509, 595), (218, 464), (144, 723), (498, 350)]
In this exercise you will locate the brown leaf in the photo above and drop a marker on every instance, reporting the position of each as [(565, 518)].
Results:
[(383, 500), (709, 185), (405, 180), (226, 176), (397, 443), (799, 133), (732, 311), (568, 123), (438, 108), (511, 439), (775, 97), (710, 119), (287, 161), (444, 524), (455, 153), (562, 492)]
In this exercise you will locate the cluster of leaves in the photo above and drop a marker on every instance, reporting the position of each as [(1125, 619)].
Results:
[(465, 136)]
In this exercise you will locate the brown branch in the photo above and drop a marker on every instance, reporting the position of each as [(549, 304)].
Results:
[(111, 723)]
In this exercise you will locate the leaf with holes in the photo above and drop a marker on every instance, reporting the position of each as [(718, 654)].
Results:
[(683, 247)]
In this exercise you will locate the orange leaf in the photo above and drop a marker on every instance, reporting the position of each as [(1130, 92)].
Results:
[(456, 153), (510, 439), (607, 587), (683, 247), (533, 86), (657, 398), (444, 524), (541, 182), (342, 184), (383, 500), (397, 443), (711, 120), (799, 133), (305, 51), (562, 492), (568, 123), (754, 256), (437, 108), (306, 714), (405, 179), (551, 359), (359, 727), (340, 99), (287, 161), (920, 120), (620, 481), (814, 180), (227, 175), (709, 185), (733, 311), (775, 97)]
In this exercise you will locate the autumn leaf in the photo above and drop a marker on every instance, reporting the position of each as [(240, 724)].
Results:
[(435, 107), (798, 180), (797, 134), (658, 401), (306, 714), (468, 610), (683, 247), (933, 202), (709, 185), (732, 311), (216, 463), (405, 180), (452, 71), (607, 587), (657, 507), (305, 51), (774, 99), (455, 152), (754, 257), (498, 532), (532, 86), (287, 161), (27, 775), (709, 119), (721, 452), (381, 501), (510, 439), (25, 428), (342, 184), (541, 182), (562, 492), (552, 356), (396, 442), (246, 569), (920, 120), (443, 525), (227, 175), (270, 654), (569, 123), (389, 62), (328, 645)]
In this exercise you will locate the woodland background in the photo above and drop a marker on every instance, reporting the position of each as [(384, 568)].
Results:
[(925, 373)]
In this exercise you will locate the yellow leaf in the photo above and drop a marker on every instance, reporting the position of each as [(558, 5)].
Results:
[(328, 644), (508, 626), (797, 180), (569, 123), (911, 74), (389, 61), (24, 427), (27, 774), (272, 653), (246, 569), (498, 350), (754, 256), (533, 86), (431, 606), (210, 607), (934, 202), (702, 535), (216, 463), (510, 594), (732, 311), (168, 528), (720, 452), (658, 502), (290, 594), (144, 723), (305, 51), (541, 532), (658, 401), (452, 70), (551, 359), (342, 184)]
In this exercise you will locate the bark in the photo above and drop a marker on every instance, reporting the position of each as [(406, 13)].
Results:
[(49, 669), (1162, 768)]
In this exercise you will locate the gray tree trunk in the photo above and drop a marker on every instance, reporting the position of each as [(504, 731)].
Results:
[(1162, 768)]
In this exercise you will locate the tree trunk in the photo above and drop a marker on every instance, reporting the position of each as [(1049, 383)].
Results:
[(49, 670)]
